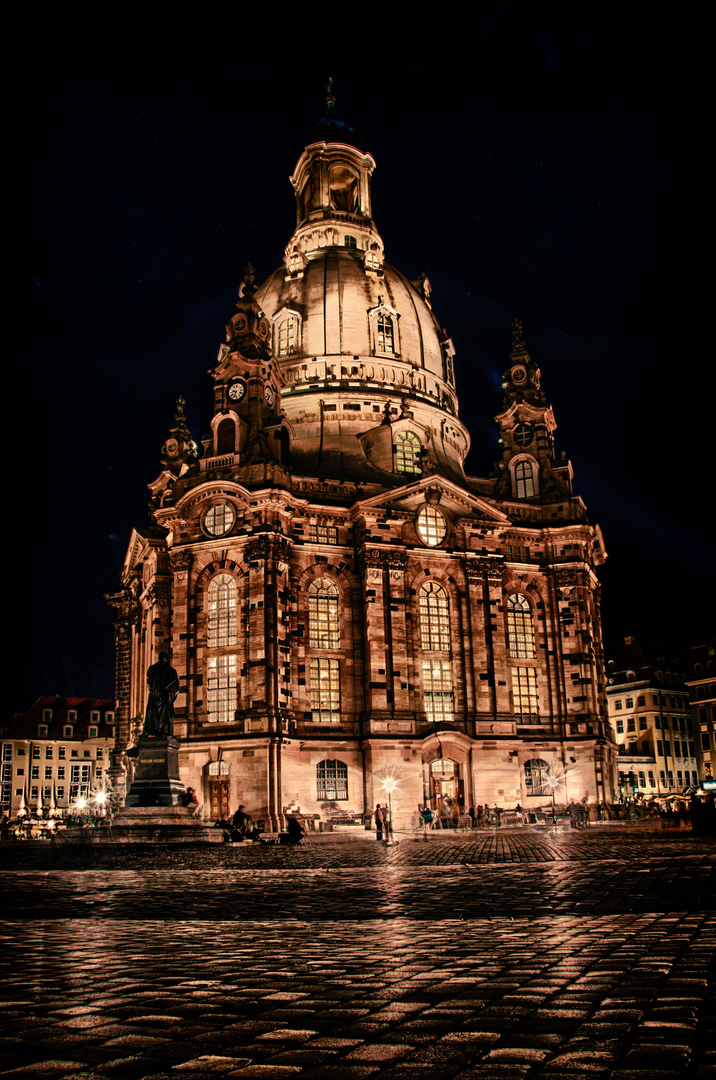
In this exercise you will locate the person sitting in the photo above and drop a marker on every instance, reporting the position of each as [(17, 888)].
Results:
[(295, 830), (240, 824)]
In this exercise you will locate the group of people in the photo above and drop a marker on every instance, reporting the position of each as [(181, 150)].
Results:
[(383, 823), (241, 826)]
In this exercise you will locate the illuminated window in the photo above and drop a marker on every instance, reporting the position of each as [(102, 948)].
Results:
[(221, 606), (323, 618), (221, 689), (219, 519), (537, 777), (520, 630), (322, 534), (437, 690), (524, 480), (525, 701), (384, 336), (431, 526), (287, 336), (325, 690), (331, 780), (434, 618), (407, 452)]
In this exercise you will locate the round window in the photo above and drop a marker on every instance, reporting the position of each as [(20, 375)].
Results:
[(431, 526), (219, 519)]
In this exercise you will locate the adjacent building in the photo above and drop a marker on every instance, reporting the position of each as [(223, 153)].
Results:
[(349, 612), (702, 686), (650, 714), (55, 753)]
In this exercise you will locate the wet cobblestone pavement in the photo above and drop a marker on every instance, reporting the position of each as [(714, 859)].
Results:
[(521, 954)]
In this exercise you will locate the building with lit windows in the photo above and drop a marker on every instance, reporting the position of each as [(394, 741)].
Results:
[(702, 687), (345, 607), (651, 720), (55, 753)]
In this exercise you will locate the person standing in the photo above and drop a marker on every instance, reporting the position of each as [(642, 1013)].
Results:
[(387, 824), (378, 818)]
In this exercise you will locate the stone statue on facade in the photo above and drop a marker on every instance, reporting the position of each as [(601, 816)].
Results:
[(163, 683)]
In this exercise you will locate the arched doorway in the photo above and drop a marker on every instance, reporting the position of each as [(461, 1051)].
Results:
[(445, 788)]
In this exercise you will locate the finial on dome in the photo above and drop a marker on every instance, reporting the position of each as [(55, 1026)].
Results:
[(518, 337), (330, 98), (248, 285)]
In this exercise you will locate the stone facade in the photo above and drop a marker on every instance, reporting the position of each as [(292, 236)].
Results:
[(344, 606)]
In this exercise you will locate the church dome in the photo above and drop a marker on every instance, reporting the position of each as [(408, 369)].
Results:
[(357, 343)]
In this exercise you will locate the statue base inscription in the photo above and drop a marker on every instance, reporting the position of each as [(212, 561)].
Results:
[(156, 777)]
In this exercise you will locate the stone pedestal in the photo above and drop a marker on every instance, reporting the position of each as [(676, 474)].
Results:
[(156, 777)]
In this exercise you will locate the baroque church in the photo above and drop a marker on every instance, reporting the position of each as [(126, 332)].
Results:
[(348, 612)]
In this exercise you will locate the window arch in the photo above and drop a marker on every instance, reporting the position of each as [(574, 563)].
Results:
[(323, 615), (385, 340), (434, 618), (520, 627), (226, 437), (407, 452), (221, 611), (331, 780), (524, 480), (287, 336), (537, 777)]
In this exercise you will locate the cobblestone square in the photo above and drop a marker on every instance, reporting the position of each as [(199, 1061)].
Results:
[(515, 954)]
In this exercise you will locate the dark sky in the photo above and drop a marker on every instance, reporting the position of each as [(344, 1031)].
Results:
[(550, 167)]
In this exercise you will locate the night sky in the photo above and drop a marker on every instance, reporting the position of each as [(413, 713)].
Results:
[(546, 167)]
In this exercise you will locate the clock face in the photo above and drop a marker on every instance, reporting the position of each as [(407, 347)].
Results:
[(171, 446), (518, 374), (240, 323), (264, 328), (237, 390), (268, 395)]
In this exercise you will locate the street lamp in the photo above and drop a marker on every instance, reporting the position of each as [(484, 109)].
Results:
[(554, 784), (389, 784)]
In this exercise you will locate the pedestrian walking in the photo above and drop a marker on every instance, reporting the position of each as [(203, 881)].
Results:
[(378, 818), (387, 823)]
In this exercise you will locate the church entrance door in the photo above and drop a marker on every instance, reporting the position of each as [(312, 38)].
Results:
[(219, 797)]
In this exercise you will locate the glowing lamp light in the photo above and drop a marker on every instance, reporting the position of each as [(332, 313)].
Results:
[(100, 798), (81, 803)]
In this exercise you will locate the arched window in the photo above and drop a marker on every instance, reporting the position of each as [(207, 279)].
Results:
[(226, 437), (434, 618), (524, 480), (407, 452), (219, 768), (287, 336), (331, 780), (520, 630), (385, 340), (537, 777), (323, 618), (221, 610)]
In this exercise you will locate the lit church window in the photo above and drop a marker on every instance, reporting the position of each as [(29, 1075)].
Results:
[(431, 526), (520, 630), (323, 617), (325, 690), (385, 339), (219, 519), (287, 336), (524, 480), (537, 777), (221, 605), (221, 689), (525, 700), (407, 452), (434, 618), (437, 690), (331, 780)]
